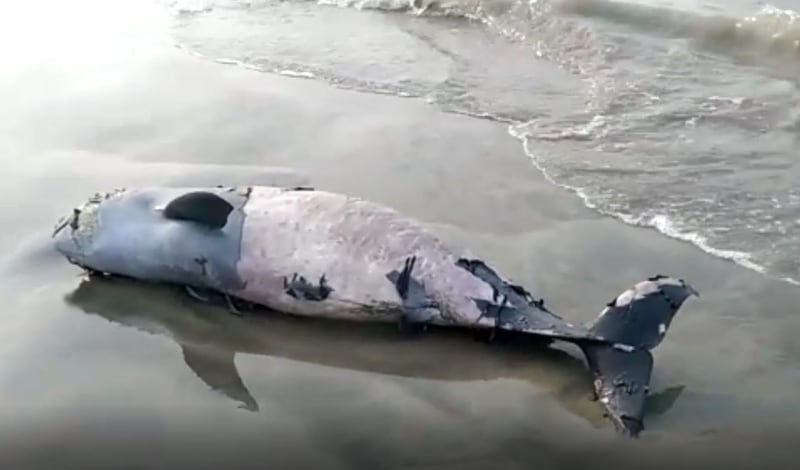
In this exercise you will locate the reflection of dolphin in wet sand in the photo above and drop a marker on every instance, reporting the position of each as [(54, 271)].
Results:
[(319, 254), (209, 343)]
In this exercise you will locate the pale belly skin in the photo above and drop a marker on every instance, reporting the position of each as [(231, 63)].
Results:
[(354, 244)]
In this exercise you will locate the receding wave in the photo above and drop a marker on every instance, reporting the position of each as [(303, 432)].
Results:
[(670, 225)]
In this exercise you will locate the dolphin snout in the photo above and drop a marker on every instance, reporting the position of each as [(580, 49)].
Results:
[(63, 222), (74, 231), (62, 237)]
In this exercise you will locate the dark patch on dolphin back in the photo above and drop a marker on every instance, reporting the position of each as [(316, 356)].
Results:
[(517, 295), (514, 308), (202, 207), (299, 288)]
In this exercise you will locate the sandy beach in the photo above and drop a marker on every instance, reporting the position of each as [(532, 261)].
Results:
[(93, 375)]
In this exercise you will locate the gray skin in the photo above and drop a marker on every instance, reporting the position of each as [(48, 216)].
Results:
[(124, 232), (316, 253)]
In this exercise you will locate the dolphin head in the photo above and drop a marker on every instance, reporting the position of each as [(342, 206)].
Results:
[(178, 235)]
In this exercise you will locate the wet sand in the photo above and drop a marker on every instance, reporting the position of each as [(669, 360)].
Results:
[(142, 377)]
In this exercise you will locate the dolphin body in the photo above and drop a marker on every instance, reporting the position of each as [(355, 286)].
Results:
[(315, 253)]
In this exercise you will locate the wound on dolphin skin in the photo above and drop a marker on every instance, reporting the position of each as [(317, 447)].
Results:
[(499, 285), (299, 288), (202, 207), (521, 291), (504, 314), (479, 269), (492, 310)]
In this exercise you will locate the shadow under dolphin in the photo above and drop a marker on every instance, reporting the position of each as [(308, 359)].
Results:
[(210, 338)]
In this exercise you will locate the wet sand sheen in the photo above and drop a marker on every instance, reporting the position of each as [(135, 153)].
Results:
[(79, 370)]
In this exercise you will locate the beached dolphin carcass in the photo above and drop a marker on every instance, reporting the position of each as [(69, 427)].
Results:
[(316, 253)]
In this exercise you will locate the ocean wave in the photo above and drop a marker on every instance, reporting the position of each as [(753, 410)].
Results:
[(669, 225), (301, 71), (553, 30), (770, 31), (672, 228)]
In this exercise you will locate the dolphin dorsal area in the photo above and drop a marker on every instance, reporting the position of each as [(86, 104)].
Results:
[(203, 207)]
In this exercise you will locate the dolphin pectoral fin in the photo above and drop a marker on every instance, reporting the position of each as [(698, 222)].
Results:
[(407, 322), (202, 207), (217, 369), (419, 307), (215, 298), (415, 320)]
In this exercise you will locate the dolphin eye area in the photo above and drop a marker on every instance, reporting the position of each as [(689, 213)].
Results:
[(202, 207)]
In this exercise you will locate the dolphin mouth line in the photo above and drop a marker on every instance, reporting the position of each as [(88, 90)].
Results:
[(63, 222), (71, 220)]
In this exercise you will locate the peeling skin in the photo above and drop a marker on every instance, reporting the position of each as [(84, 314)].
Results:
[(623, 347), (300, 288)]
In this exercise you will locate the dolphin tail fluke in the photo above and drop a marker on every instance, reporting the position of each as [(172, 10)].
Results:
[(618, 352), (621, 381)]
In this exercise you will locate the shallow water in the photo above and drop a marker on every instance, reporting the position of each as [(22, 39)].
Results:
[(96, 96)]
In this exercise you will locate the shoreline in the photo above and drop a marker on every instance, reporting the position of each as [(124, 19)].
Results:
[(662, 226)]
